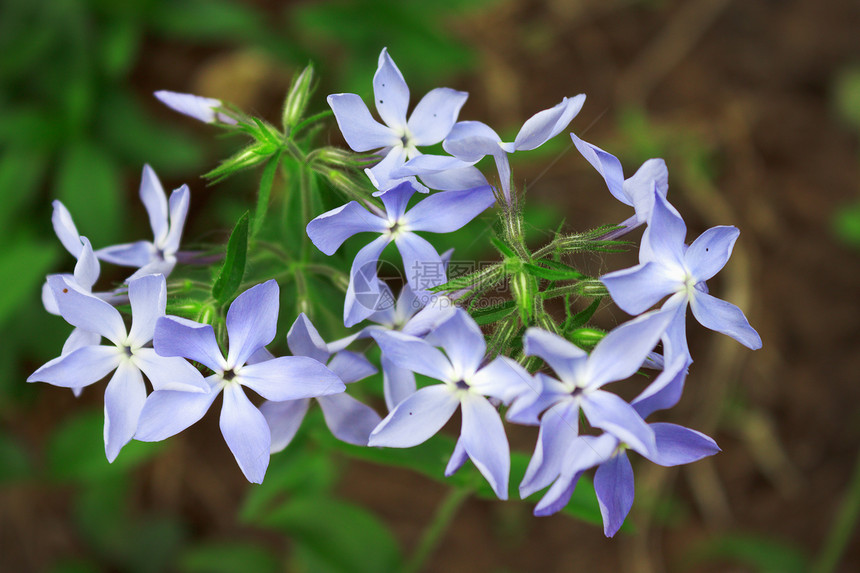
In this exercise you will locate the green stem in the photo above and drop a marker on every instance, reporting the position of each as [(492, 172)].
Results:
[(435, 529), (305, 201), (843, 526)]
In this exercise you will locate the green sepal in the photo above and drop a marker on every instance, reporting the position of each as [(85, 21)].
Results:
[(494, 313), (251, 156), (233, 269), (557, 272), (502, 247), (581, 318), (267, 179)]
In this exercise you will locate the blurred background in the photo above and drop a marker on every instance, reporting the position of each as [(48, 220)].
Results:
[(755, 106)]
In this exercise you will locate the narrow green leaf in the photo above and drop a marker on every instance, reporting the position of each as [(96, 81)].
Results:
[(582, 317), (494, 313), (265, 191), (228, 557), (233, 269), (559, 272), (502, 247)]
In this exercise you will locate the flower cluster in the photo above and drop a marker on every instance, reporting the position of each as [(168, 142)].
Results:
[(524, 366)]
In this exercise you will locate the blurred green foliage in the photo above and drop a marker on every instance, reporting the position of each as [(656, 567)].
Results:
[(846, 100)]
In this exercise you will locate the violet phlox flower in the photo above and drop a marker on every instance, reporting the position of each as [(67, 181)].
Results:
[(251, 325), (667, 266), (637, 190), (167, 219), (128, 354), (348, 419), (581, 377), (466, 382), (204, 109), (470, 141), (441, 212), (397, 139)]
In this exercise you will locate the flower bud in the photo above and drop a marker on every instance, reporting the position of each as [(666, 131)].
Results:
[(297, 98)]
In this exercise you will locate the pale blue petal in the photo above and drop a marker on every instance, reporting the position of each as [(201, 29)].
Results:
[(607, 165), (710, 252), (546, 124), (640, 287), (87, 311), (414, 354), (252, 321), (382, 174), (390, 92), (148, 298), (65, 229), (168, 412), (434, 116), (484, 438), (396, 199), (87, 268), (359, 129), (246, 432), (665, 391), (503, 166), (463, 343), (331, 229), (290, 378), (78, 368), (303, 339), (176, 336), (663, 240), (472, 140), (422, 165), (169, 372), (504, 379), (458, 458), (455, 179), (124, 398), (129, 254), (651, 177), (567, 360), (610, 413), (363, 295), (438, 310), (284, 419), (155, 201), (528, 406), (724, 317), (416, 419), (621, 352), (80, 338), (557, 496), (179, 201), (421, 262), (677, 445), (448, 211), (397, 383), (351, 367), (199, 107), (613, 484), (348, 419), (559, 428)]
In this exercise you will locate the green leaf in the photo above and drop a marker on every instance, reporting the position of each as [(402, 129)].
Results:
[(208, 20), (346, 537), (228, 557), (763, 554), (24, 264), (265, 191), (557, 272), (76, 451), (89, 186), (581, 318), (21, 175), (494, 313), (233, 269), (502, 247)]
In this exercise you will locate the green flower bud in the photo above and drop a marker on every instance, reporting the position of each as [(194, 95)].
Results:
[(297, 98)]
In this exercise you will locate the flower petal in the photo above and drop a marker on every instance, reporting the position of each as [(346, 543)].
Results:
[(663, 240), (607, 165), (677, 445), (613, 484), (390, 92), (155, 201), (546, 124), (640, 287), (414, 354), (199, 107), (397, 383), (458, 458), (485, 441), (86, 311), (396, 199), (710, 252), (284, 419), (359, 129), (363, 294), (448, 211), (87, 268), (559, 428), (472, 140), (65, 228), (458, 179), (304, 340), (724, 317), (148, 298), (351, 367), (651, 177), (421, 263), (168, 412), (416, 419), (504, 379), (246, 432), (331, 229), (463, 343), (348, 419), (124, 398), (252, 321), (129, 254), (175, 336), (179, 201), (434, 116), (567, 360), (169, 372), (78, 368), (290, 378), (613, 415)]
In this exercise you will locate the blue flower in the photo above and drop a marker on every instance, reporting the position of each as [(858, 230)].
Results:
[(251, 325), (667, 266), (398, 139), (127, 354), (347, 418), (465, 384), (439, 213)]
